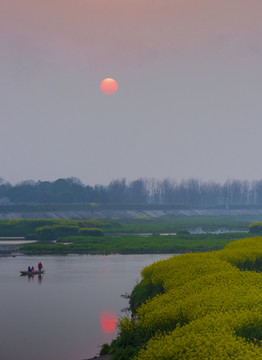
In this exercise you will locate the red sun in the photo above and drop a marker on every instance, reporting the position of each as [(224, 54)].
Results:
[(108, 86), (108, 321)]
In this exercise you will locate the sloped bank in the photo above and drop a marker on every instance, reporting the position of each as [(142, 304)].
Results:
[(205, 305), (84, 212)]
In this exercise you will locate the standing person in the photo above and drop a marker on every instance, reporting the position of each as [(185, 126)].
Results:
[(40, 266), (33, 269), (29, 269)]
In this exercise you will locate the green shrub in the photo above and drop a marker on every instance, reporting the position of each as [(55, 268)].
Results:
[(30, 237), (144, 291), (105, 349), (255, 228), (53, 232), (90, 232)]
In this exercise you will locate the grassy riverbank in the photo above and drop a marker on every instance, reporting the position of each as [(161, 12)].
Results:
[(134, 244), (137, 224), (182, 223), (141, 234)]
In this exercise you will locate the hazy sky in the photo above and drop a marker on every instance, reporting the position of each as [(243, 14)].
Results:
[(189, 99)]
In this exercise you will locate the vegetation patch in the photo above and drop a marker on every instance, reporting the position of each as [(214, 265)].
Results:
[(142, 292), (180, 223), (48, 229), (255, 227), (209, 308), (255, 265), (135, 244), (251, 331), (127, 226), (103, 236)]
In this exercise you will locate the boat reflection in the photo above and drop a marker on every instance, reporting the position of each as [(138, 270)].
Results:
[(108, 321), (39, 278)]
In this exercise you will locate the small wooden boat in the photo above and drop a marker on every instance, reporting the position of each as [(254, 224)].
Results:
[(35, 272)]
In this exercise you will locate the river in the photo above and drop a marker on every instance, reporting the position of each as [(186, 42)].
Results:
[(70, 311)]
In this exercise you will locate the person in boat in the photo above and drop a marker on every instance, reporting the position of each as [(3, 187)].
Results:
[(40, 266), (29, 269)]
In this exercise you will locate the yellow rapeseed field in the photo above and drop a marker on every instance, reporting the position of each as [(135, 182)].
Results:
[(210, 308)]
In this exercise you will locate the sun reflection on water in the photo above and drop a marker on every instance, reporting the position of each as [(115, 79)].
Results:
[(108, 321)]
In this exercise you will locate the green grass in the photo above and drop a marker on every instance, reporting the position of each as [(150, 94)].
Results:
[(175, 224), (28, 227), (143, 224), (122, 235), (133, 244)]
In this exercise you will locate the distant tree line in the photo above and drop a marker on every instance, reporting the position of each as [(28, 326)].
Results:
[(191, 193)]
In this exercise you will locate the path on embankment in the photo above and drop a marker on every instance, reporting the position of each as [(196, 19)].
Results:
[(123, 214)]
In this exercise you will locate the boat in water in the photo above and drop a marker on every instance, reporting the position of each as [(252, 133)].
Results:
[(35, 272)]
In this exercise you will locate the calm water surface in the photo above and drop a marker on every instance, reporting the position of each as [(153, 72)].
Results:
[(69, 312)]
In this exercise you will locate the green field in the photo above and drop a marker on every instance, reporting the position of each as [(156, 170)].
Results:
[(125, 236), (180, 223), (134, 244)]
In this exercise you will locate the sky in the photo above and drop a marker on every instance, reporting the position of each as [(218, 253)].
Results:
[(188, 104)]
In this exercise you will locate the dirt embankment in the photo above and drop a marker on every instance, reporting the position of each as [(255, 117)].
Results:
[(88, 214)]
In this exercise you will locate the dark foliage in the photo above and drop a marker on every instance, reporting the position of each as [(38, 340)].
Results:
[(190, 193), (142, 292)]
